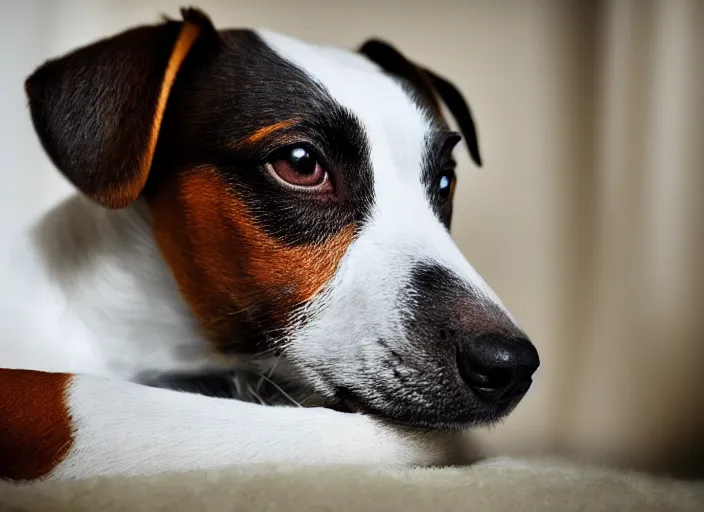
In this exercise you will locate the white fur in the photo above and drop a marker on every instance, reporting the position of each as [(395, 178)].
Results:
[(125, 428), (91, 294)]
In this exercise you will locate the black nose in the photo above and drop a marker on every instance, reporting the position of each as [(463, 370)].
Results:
[(497, 369)]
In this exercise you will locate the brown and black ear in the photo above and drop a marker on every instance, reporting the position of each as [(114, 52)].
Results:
[(98, 110), (430, 85)]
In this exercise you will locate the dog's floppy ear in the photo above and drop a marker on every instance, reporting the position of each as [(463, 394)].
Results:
[(98, 110), (429, 84)]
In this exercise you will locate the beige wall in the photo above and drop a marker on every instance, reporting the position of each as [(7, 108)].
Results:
[(586, 219)]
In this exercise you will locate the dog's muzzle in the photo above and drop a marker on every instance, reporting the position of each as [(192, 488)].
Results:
[(476, 362)]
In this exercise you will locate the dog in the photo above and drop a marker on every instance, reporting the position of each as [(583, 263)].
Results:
[(246, 201)]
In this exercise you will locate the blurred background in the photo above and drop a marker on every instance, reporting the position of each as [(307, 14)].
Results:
[(587, 218)]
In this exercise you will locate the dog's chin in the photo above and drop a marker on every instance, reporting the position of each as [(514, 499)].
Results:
[(448, 409), (441, 416), (429, 413)]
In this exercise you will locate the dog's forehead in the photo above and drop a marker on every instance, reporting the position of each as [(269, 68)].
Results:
[(395, 125)]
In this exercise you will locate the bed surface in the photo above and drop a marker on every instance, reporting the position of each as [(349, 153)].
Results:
[(500, 484)]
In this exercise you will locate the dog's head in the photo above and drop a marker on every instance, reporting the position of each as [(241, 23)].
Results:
[(302, 197)]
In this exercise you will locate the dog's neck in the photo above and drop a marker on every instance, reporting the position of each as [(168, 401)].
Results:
[(89, 290)]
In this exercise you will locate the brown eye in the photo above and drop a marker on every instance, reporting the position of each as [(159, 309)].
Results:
[(299, 168)]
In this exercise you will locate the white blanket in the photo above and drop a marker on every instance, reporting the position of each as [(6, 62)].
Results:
[(496, 485)]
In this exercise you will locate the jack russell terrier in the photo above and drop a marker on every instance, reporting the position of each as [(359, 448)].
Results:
[(248, 201)]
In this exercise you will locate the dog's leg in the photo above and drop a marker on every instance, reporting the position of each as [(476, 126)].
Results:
[(66, 426)]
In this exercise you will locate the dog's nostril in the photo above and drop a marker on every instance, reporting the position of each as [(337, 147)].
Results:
[(499, 378), (482, 376), (475, 376), (497, 369)]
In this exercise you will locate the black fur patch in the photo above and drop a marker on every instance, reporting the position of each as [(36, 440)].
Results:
[(437, 162), (445, 306), (223, 97)]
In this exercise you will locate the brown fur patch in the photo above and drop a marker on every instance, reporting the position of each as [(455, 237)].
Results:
[(265, 132), (35, 425), (122, 195), (225, 263)]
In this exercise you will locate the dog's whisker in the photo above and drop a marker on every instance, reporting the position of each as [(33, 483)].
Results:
[(260, 382), (271, 372), (273, 367), (307, 398), (256, 395), (264, 353), (278, 388)]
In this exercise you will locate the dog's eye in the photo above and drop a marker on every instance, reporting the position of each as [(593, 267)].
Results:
[(445, 181), (299, 168)]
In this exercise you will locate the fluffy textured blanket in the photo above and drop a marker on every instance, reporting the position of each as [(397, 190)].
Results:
[(494, 485)]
